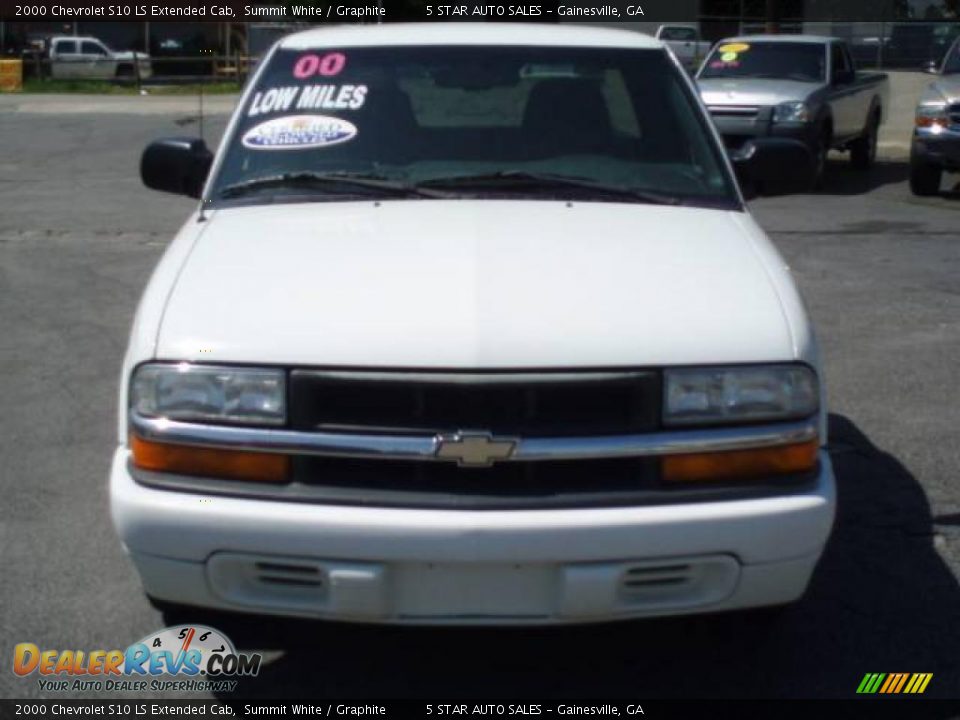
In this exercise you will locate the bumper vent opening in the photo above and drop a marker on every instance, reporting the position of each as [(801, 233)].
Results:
[(641, 579), (678, 583), (298, 585), (273, 573)]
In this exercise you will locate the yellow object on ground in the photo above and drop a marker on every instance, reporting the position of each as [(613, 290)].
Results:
[(11, 75)]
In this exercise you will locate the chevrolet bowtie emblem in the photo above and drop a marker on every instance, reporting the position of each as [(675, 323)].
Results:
[(474, 449)]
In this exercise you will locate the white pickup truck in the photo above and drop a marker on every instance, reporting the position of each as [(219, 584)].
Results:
[(471, 325), (87, 58), (685, 42)]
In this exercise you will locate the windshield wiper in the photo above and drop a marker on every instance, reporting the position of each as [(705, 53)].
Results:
[(337, 182), (519, 180)]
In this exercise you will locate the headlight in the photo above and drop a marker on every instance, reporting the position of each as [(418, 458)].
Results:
[(932, 117), (696, 396), (791, 112), (205, 393)]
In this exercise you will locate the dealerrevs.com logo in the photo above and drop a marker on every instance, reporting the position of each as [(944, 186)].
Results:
[(183, 652)]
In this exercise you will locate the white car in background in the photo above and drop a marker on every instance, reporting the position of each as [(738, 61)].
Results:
[(87, 58), (471, 325)]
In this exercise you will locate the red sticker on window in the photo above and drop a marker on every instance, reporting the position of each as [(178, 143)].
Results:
[(326, 65)]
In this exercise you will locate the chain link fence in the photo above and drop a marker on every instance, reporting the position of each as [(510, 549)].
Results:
[(875, 45)]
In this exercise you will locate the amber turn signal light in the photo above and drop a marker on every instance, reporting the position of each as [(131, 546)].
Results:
[(741, 464), (209, 462), (925, 121)]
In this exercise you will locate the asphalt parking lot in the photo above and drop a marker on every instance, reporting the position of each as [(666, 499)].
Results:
[(880, 271)]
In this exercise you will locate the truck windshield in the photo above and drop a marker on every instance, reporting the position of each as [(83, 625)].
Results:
[(775, 60), (592, 123), (951, 63)]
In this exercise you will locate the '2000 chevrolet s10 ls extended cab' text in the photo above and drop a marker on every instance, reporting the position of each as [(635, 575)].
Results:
[(471, 325)]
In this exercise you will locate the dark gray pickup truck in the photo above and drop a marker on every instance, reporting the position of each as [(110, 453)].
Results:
[(797, 86)]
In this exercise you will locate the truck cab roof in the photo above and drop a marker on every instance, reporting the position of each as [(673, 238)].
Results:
[(825, 39), (54, 38), (469, 34)]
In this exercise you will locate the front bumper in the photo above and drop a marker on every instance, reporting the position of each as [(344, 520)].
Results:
[(737, 129), (942, 150), (428, 566)]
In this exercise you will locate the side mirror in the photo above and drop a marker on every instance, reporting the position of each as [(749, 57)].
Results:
[(774, 166), (176, 165), (930, 66)]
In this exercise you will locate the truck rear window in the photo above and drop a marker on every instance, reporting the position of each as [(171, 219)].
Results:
[(623, 118)]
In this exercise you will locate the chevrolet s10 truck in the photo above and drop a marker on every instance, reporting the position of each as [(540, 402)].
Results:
[(471, 325), (796, 86)]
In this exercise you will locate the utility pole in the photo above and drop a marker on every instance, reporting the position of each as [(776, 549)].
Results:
[(772, 16)]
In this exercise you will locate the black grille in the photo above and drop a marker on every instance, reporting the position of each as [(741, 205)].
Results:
[(953, 112), (736, 111), (430, 483), (526, 404)]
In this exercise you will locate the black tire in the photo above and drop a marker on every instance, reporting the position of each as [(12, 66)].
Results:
[(124, 71), (924, 178), (820, 149), (863, 150), (173, 613)]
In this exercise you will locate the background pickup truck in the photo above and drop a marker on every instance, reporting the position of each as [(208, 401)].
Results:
[(89, 59), (935, 147), (685, 42), (796, 86)]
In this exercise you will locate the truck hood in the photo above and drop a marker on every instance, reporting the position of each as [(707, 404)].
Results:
[(463, 283), (753, 91), (944, 88)]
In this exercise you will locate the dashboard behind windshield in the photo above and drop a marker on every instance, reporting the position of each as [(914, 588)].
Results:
[(618, 118)]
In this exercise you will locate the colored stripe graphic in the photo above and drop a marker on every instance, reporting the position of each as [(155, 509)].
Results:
[(921, 682), (894, 683), (892, 680), (903, 679), (870, 683)]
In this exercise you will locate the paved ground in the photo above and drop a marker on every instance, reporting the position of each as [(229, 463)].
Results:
[(880, 271)]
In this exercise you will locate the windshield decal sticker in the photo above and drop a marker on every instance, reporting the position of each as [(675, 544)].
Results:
[(311, 97), (729, 55), (272, 100), (733, 48), (332, 97), (327, 65), (299, 132)]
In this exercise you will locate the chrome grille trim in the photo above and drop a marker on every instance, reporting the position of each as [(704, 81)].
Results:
[(424, 447)]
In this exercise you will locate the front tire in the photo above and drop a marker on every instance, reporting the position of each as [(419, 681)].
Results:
[(924, 178), (863, 150), (820, 150)]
